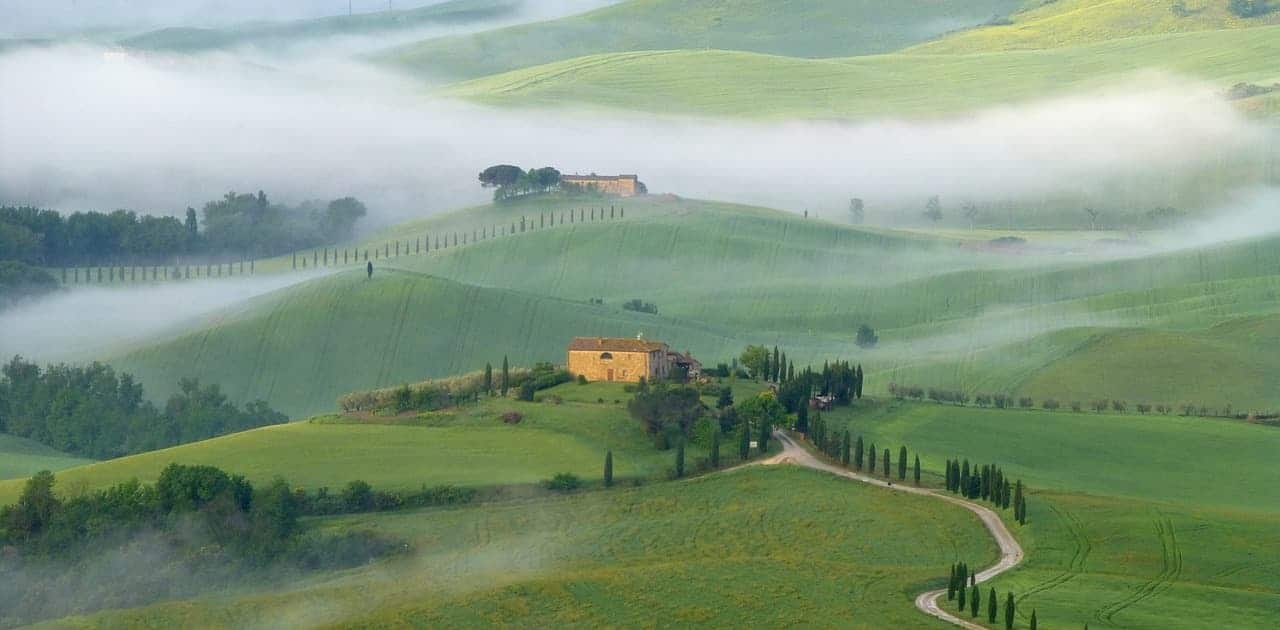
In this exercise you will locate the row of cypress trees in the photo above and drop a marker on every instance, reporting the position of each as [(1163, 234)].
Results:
[(839, 446), (989, 484), (962, 588)]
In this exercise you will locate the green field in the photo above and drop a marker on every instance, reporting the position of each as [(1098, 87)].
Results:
[(755, 85), (1135, 522), (754, 547), (469, 446), (725, 276), (272, 35), (20, 457), (803, 28)]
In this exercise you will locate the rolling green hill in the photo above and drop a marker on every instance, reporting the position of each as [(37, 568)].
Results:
[(800, 28), (723, 276), (278, 34), (1072, 22), (468, 446), (753, 85), (20, 457), (719, 551), (1135, 522)]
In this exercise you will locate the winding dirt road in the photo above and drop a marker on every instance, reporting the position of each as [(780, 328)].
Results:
[(1010, 550)]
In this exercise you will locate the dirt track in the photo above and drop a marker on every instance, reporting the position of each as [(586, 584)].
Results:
[(927, 602)]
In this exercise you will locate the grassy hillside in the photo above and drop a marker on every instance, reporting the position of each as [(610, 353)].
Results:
[(468, 446), (278, 34), (20, 457), (1072, 22), (800, 28), (744, 84), (718, 551), (1135, 522)]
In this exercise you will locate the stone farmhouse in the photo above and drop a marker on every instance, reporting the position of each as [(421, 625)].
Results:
[(620, 185), (626, 360)]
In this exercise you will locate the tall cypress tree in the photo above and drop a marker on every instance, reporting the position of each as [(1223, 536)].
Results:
[(961, 593), (762, 443), (773, 366), (871, 459), (886, 463), (975, 601), (844, 452), (802, 418), (680, 459), (964, 477), (916, 470), (1017, 502), (715, 446), (488, 378), (744, 442), (1033, 619), (951, 584), (992, 606), (608, 469), (1008, 612), (857, 453), (782, 368), (902, 464), (506, 376)]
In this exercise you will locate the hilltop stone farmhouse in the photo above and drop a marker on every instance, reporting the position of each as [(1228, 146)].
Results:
[(626, 360), (620, 185)]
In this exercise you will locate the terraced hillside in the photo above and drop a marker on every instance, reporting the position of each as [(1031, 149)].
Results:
[(717, 551), (1134, 521), (723, 276), (800, 28), (753, 85), (1073, 22)]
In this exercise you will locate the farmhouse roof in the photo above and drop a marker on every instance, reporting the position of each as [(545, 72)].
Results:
[(596, 178), (615, 344)]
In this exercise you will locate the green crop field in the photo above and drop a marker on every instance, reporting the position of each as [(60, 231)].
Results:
[(20, 457), (1135, 522), (754, 547), (754, 85), (803, 28), (947, 316), (469, 446), (1070, 22)]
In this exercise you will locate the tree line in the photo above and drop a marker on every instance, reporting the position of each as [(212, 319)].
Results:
[(840, 379), (962, 588), (1098, 405), (509, 181), (195, 528), (988, 484), (858, 455), (94, 411)]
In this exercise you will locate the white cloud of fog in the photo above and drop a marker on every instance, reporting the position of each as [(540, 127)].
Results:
[(28, 18), (91, 130), (85, 323)]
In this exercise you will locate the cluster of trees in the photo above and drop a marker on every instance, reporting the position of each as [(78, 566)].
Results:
[(988, 484), (962, 588), (640, 306), (854, 453), (1250, 8), (456, 390), (512, 181), (666, 411), (245, 225), (1099, 405), (196, 528), (93, 411), (840, 379), (19, 281)]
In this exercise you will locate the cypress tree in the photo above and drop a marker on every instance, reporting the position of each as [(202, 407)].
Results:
[(992, 606), (1007, 495), (1017, 502), (948, 476), (505, 384), (715, 447), (886, 463), (1008, 612), (1022, 511), (488, 378), (857, 453), (951, 584), (680, 459), (608, 469), (916, 470), (744, 444), (782, 368), (902, 464), (964, 478), (975, 601), (871, 459), (844, 452), (802, 418), (762, 443), (1033, 619), (961, 595)]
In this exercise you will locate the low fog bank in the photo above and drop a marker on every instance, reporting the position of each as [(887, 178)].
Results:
[(97, 131), (39, 18), (84, 324)]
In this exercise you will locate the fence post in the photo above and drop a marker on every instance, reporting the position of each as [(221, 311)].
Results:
[(295, 260), (251, 267)]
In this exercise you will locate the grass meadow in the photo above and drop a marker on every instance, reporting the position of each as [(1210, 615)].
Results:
[(20, 457), (1135, 522), (752, 547)]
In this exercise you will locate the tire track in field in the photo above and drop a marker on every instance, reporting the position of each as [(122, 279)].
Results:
[(1078, 557), (1170, 556)]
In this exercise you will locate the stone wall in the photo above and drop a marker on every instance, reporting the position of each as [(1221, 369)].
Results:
[(626, 366)]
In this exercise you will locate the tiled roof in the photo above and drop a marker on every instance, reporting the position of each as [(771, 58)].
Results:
[(615, 344)]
